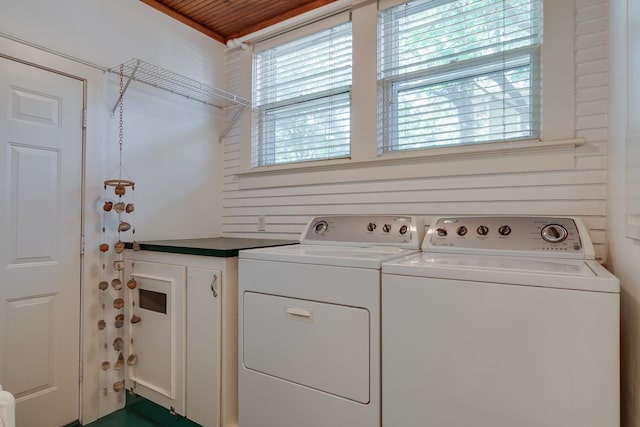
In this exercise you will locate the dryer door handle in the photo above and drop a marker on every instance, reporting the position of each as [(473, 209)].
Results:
[(299, 312)]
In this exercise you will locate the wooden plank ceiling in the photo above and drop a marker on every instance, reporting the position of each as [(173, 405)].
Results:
[(224, 20)]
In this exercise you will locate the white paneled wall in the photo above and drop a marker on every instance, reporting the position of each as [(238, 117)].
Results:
[(580, 191)]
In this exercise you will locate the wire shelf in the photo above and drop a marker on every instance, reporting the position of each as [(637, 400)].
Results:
[(152, 75)]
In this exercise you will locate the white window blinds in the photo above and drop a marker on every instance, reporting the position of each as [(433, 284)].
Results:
[(302, 99), (457, 72)]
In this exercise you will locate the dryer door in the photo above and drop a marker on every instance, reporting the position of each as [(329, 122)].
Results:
[(319, 345)]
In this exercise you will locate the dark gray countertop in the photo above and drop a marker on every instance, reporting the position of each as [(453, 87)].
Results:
[(222, 247)]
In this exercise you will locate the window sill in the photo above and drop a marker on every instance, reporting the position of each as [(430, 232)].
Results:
[(482, 159)]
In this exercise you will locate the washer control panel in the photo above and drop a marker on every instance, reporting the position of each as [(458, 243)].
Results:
[(365, 230), (553, 236)]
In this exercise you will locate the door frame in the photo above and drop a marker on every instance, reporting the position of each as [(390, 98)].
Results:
[(92, 78), (82, 207)]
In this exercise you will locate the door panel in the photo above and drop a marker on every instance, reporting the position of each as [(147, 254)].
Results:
[(29, 332), (34, 229), (40, 225), (203, 346), (159, 339)]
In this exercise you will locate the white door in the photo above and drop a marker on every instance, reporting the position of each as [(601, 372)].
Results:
[(203, 346), (159, 339), (40, 229)]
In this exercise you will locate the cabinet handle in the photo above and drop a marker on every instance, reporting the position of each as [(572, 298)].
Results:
[(214, 285)]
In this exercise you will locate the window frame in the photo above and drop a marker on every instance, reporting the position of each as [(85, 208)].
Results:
[(393, 81), (555, 150), (264, 139)]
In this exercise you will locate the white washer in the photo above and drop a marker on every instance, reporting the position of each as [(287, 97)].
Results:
[(309, 323), (500, 321)]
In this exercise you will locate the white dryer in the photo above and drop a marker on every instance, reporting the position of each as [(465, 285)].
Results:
[(500, 321), (309, 323)]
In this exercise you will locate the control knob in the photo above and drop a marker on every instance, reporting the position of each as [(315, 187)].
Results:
[(386, 228), (442, 232), (504, 230), (482, 230), (554, 233), (372, 226), (403, 229), (320, 227), (462, 230)]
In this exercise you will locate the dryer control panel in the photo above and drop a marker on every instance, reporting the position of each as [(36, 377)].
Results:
[(561, 237), (403, 231)]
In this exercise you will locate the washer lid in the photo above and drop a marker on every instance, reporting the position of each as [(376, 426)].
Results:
[(540, 272), (343, 256)]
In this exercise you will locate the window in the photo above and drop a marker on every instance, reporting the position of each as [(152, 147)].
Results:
[(302, 98), (455, 72), (478, 104)]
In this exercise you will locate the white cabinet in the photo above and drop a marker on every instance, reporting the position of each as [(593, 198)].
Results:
[(157, 342), (187, 357), (203, 345)]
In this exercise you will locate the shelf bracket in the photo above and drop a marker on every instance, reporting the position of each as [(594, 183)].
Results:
[(232, 122), (126, 86), (135, 69)]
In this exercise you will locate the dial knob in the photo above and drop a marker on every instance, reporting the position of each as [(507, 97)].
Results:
[(442, 232), (403, 229), (320, 227), (372, 226), (462, 230), (504, 230), (386, 228), (554, 233), (483, 230)]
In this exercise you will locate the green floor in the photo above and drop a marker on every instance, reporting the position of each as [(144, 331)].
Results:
[(140, 412), (123, 418)]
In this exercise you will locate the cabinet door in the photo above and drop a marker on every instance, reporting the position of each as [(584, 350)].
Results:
[(157, 340), (203, 346)]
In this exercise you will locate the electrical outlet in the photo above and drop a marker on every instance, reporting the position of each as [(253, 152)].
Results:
[(262, 223)]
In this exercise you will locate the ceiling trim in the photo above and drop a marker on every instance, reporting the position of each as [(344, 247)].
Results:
[(280, 18), (164, 9)]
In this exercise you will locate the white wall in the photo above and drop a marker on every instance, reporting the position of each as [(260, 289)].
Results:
[(624, 252), (171, 146), (171, 143), (577, 189)]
